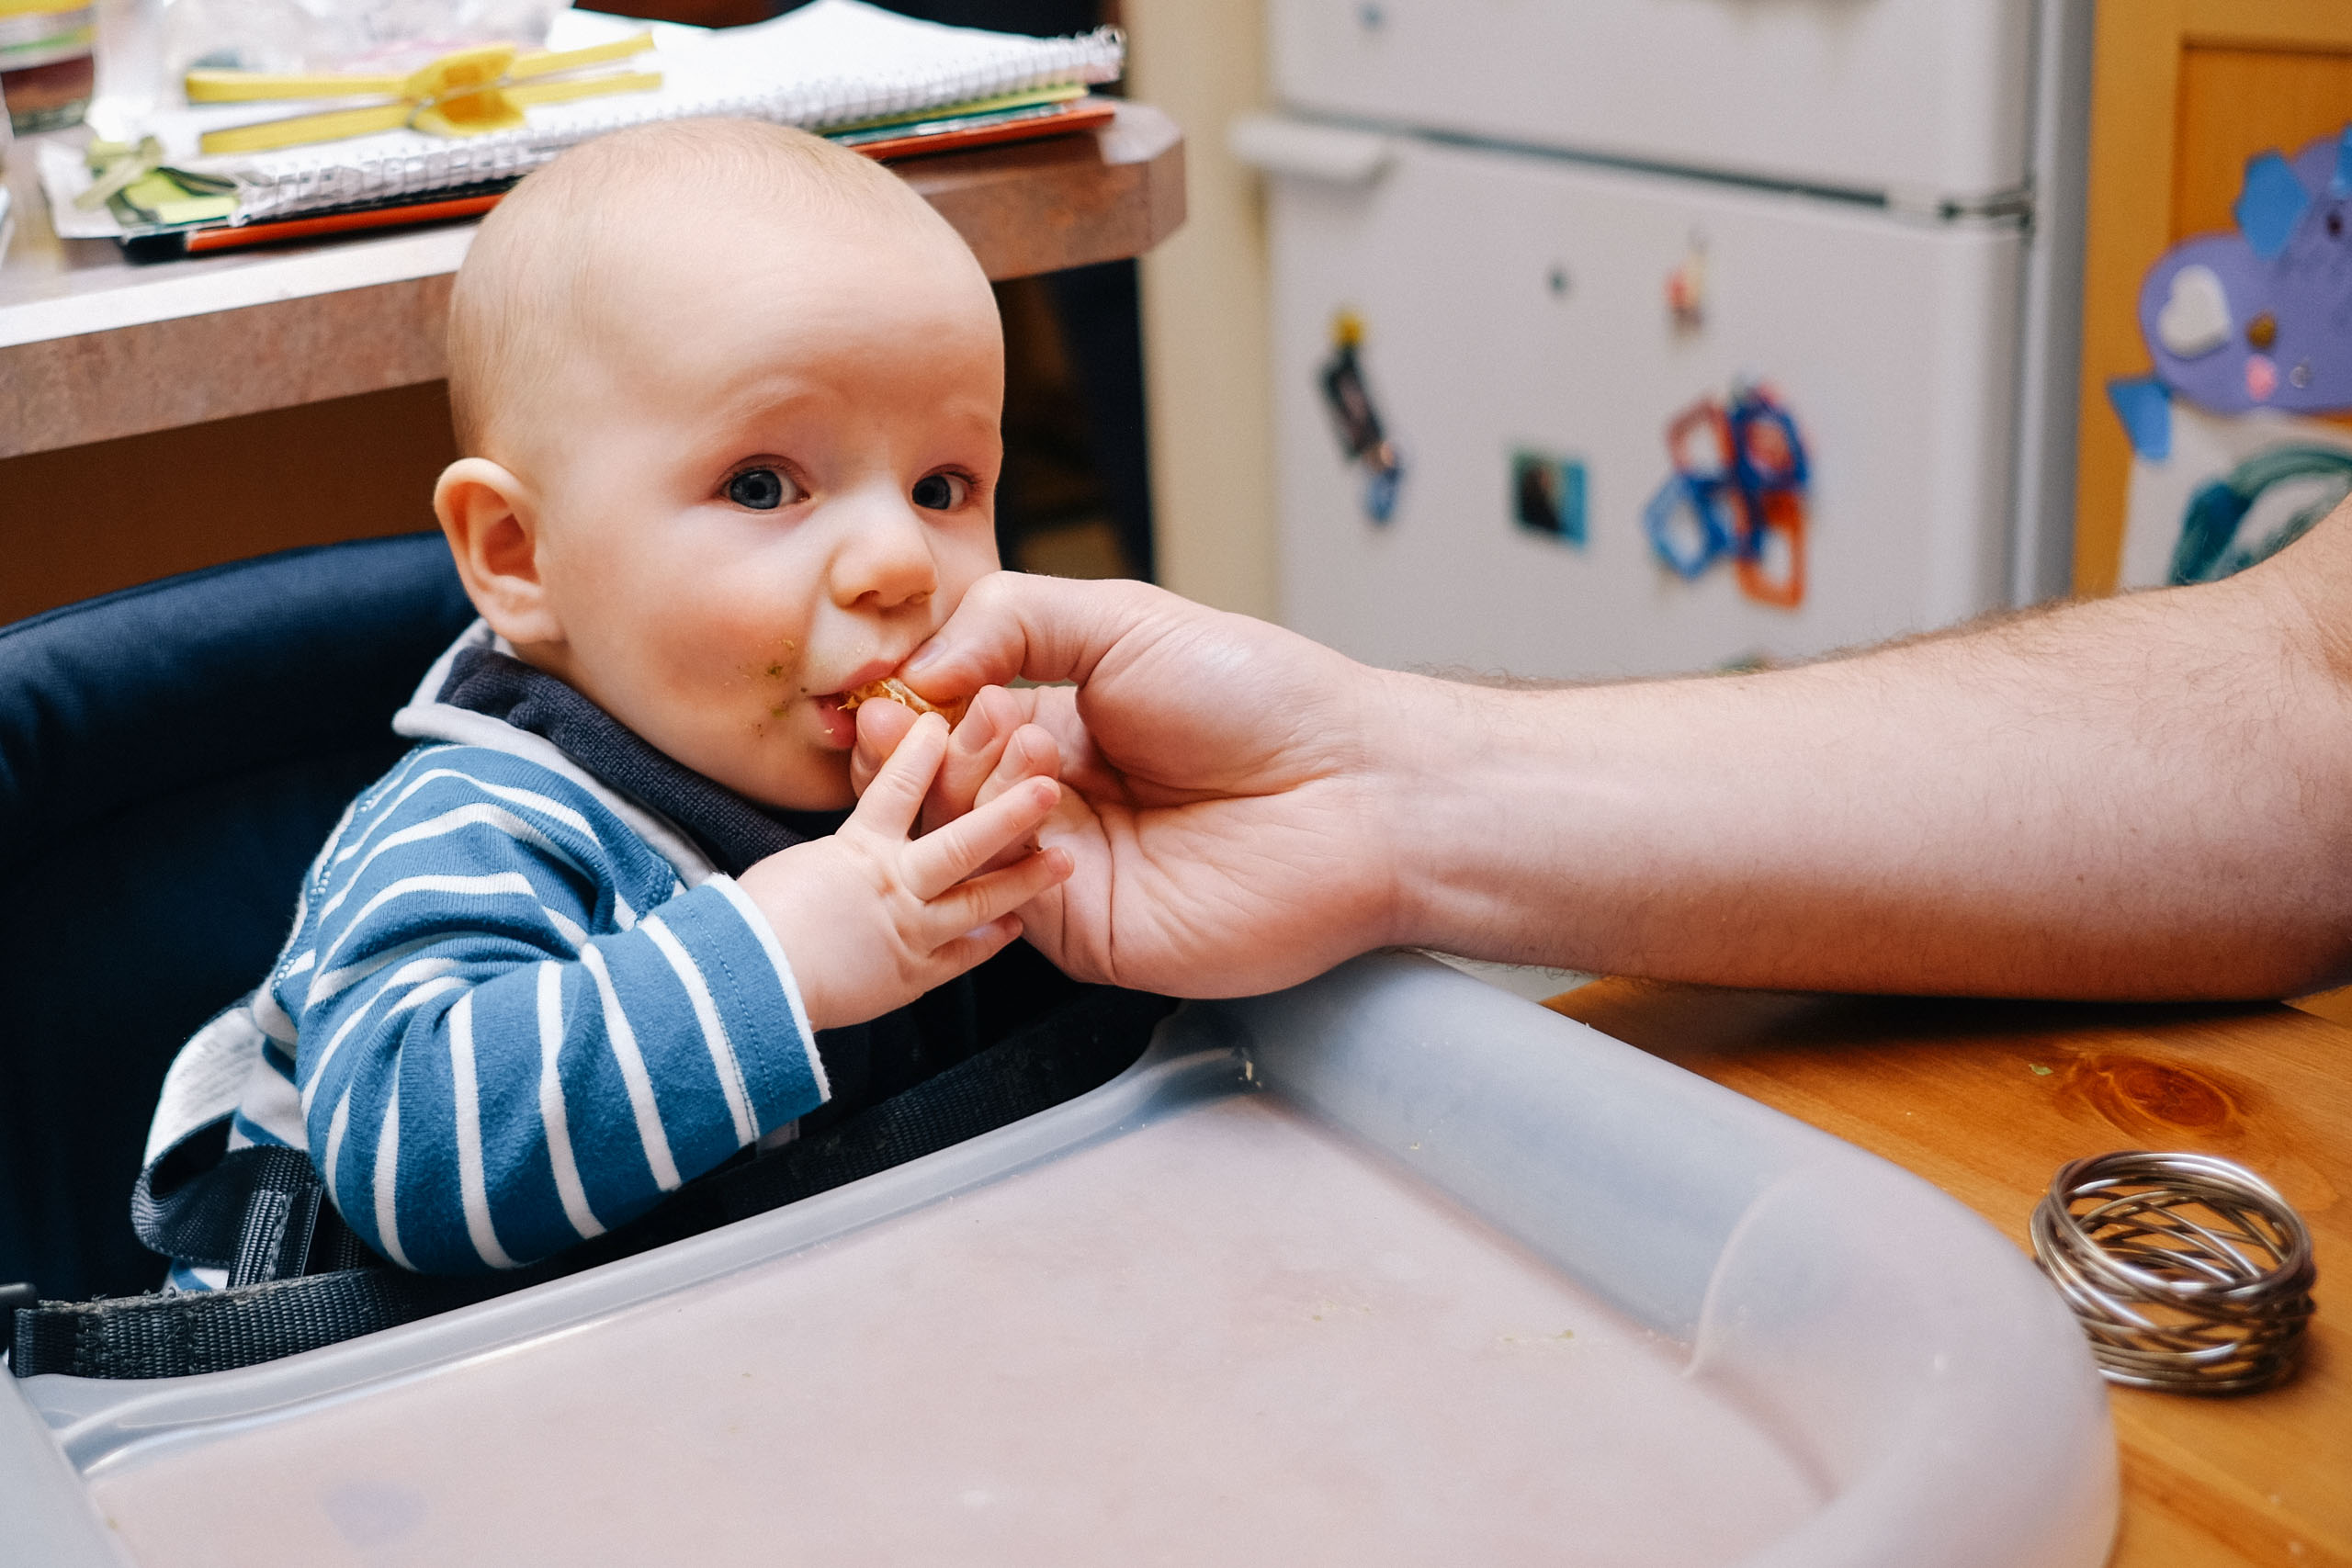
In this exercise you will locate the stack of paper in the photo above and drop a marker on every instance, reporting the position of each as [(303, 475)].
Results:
[(831, 66)]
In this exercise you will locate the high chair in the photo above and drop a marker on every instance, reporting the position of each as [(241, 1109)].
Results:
[(171, 758)]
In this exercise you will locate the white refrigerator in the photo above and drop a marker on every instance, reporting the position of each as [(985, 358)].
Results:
[(1627, 337)]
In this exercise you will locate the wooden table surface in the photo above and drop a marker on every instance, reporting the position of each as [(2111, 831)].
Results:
[(93, 347), (1987, 1100)]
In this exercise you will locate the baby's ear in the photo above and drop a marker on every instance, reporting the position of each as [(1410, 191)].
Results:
[(491, 519)]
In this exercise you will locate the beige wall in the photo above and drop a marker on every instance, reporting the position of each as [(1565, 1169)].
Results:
[(1205, 311)]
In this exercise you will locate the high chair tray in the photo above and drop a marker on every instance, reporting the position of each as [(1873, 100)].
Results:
[(1389, 1267)]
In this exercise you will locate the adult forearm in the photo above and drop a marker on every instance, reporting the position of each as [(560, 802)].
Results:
[(2149, 797)]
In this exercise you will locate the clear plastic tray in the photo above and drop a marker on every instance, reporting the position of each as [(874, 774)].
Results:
[(1391, 1268)]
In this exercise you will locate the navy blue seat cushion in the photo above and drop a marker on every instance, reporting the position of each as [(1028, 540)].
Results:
[(171, 759)]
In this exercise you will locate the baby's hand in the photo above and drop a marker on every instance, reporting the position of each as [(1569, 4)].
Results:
[(872, 918), (992, 750)]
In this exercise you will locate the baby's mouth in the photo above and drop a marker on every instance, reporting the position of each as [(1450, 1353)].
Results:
[(835, 719), (891, 689), (861, 682)]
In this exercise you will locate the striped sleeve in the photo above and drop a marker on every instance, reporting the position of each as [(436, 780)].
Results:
[(499, 1051)]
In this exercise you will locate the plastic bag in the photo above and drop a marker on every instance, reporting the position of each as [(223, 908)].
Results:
[(341, 35)]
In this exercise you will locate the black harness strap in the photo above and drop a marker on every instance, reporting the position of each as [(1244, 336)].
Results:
[(1077, 1046), (209, 1331), (259, 1212)]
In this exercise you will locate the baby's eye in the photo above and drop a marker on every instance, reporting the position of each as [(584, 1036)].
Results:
[(942, 492), (760, 489)]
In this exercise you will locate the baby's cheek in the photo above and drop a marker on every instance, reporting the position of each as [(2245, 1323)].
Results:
[(817, 781), (755, 655), (775, 684), (961, 551)]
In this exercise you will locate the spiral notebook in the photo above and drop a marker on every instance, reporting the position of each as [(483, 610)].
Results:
[(831, 62)]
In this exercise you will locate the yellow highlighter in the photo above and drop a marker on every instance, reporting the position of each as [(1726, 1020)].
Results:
[(468, 92)]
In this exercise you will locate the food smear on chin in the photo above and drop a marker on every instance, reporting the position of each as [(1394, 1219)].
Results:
[(891, 689)]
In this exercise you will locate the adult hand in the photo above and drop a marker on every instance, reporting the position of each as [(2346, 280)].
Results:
[(1224, 782)]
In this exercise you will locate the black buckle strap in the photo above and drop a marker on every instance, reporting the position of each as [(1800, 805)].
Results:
[(259, 1212), (13, 1297), (177, 1334)]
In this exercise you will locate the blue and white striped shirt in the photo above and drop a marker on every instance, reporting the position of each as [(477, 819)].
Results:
[(509, 1018)]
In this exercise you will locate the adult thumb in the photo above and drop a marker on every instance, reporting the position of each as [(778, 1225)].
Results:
[(1035, 628)]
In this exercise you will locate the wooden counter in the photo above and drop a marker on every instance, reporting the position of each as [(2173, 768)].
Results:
[(1987, 1100), (93, 347)]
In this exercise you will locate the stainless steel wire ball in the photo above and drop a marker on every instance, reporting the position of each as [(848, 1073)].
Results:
[(2189, 1273)]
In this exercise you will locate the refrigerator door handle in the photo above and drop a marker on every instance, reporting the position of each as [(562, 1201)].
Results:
[(1331, 155)]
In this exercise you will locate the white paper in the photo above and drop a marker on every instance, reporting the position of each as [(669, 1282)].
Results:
[(829, 62)]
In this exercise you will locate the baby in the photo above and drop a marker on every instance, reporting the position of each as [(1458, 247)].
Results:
[(729, 400)]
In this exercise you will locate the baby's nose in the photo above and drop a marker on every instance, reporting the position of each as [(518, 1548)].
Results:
[(885, 562)]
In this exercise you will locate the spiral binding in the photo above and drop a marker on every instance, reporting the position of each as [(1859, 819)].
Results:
[(286, 183), (2190, 1273)]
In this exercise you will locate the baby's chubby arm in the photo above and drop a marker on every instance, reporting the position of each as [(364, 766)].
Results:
[(513, 1036), (511, 1029)]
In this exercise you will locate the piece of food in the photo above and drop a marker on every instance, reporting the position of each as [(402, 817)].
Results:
[(892, 689)]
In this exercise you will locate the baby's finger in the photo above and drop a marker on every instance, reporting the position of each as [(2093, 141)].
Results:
[(882, 728), (937, 862), (972, 753), (975, 947), (983, 899), (1029, 753), (890, 802)]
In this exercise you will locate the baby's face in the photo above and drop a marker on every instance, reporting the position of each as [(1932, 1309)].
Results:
[(771, 478)]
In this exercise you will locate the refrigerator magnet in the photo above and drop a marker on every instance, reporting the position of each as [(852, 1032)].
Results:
[(1363, 437), (1685, 524), (1547, 495), (1739, 490), (1686, 288)]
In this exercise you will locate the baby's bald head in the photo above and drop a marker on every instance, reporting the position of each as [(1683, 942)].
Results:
[(553, 270), (731, 403)]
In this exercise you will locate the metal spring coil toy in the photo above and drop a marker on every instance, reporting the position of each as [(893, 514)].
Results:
[(2190, 1273)]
